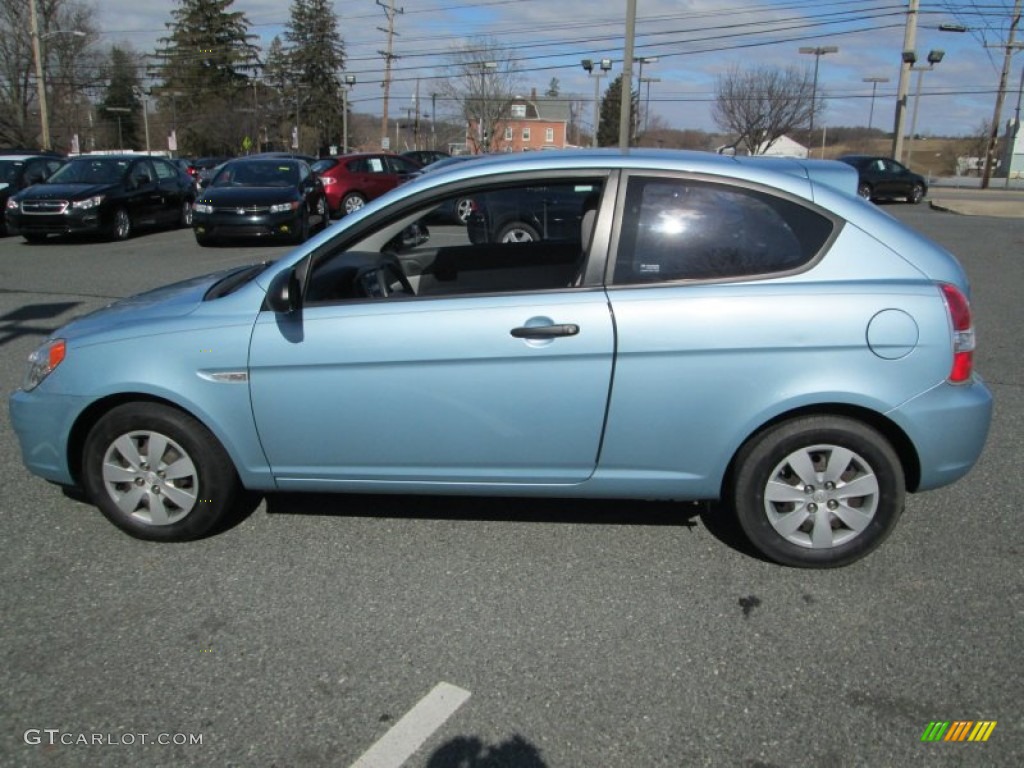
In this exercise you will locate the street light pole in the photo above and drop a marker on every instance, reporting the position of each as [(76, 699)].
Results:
[(641, 60), (934, 57), (874, 87), (350, 80), (817, 52), (605, 66)]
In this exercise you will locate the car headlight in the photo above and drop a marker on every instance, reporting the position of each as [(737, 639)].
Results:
[(202, 207), (12, 204), (43, 362), (84, 205), (284, 207)]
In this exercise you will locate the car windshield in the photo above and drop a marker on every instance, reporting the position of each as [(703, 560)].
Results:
[(270, 173), (91, 171), (9, 170), (323, 165)]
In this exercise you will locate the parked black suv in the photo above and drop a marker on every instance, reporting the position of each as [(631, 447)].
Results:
[(111, 195)]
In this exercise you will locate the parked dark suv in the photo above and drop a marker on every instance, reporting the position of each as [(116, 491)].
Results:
[(111, 195), (882, 178), (21, 170)]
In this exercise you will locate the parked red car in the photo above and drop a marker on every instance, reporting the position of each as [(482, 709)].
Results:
[(351, 181)]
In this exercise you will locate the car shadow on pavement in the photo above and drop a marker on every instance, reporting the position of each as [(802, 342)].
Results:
[(717, 519)]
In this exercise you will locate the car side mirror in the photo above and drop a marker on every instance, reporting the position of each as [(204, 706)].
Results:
[(285, 294)]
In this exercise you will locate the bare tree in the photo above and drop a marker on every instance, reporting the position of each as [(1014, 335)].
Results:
[(482, 78), (762, 104), (68, 37)]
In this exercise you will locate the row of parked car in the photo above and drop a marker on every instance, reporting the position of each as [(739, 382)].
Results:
[(273, 195)]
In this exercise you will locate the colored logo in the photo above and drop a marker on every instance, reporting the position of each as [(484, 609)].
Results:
[(959, 730)]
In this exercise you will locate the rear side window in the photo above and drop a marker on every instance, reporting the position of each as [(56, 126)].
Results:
[(679, 229)]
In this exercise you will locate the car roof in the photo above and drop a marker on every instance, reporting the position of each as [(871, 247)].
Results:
[(781, 172)]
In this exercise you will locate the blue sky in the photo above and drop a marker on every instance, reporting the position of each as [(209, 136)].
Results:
[(695, 41)]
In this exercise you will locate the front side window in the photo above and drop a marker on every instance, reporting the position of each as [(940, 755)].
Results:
[(678, 229), (516, 237)]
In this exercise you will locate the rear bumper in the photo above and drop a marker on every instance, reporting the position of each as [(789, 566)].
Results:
[(948, 426)]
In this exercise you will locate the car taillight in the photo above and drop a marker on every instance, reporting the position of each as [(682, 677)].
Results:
[(963, 333)]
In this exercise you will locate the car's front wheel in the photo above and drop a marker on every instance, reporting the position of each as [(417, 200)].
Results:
[(157, 473), (864, 190), (817, 491), (185, 217), (916, 194), (121, 227)]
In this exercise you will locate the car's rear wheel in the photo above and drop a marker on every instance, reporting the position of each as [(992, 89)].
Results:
[(864, 190), (817, 491), (352, 202), (121, 227), (518, 232), (185, 218), (916, 194), (157, 473)]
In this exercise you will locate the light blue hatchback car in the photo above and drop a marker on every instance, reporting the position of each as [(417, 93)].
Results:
[(663, 326)]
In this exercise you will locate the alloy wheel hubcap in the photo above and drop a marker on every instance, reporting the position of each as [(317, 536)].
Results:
[(150, 478), (821, 496)]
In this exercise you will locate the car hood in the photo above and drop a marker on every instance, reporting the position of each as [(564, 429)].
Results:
[(175, 300), (228, 196), (65, 191)]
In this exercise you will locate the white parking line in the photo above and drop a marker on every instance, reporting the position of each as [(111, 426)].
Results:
[(408, 734)]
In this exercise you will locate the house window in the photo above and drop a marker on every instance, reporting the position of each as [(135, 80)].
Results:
[(508, 134), (526, 134), (518, 110), (549, 135)]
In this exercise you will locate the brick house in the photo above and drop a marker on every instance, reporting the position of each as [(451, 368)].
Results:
[(537, 122)]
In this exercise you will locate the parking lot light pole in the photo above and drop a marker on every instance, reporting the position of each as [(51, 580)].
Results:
[(350, 80), (604, 65), (874, 87), (934, 57), (118, 111), (817, 52)]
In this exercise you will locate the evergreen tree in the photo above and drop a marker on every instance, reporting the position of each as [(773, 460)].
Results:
[(207, 62), (120, 95), (316, 57), (611, 105)]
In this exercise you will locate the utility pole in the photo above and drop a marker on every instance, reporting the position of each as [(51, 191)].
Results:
[(626, 105), (44, 117), (990, 151), (903, 87), (390, 12)]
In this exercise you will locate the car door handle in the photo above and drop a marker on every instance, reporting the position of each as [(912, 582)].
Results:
[(545, 331)]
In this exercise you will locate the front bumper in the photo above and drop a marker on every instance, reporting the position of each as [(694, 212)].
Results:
[(67, 223), (231, 225), (43, 424)]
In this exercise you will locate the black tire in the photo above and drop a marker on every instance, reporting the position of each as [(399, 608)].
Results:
[(517, 232), (302, 228), (829, 516), (324, 212), (185, 217), (204, 241), (864, 190), (916, 194), (35, 239), (200, 496), (352, 202), (121, 225)]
